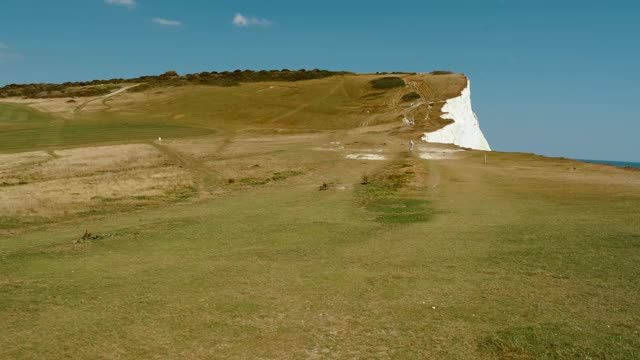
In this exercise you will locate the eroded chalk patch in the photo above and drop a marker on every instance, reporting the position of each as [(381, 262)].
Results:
[(366, 157)]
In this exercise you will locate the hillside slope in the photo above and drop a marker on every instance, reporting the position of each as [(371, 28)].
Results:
[(290, 220), (339, 102)]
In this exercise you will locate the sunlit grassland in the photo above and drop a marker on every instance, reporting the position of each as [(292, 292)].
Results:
[(247, 233), (503, 264)]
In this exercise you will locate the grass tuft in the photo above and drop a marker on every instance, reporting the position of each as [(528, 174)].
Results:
[(276, 177), (280, 176)]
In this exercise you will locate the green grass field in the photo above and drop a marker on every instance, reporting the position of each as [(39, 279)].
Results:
[(23, 129), (524, 257)]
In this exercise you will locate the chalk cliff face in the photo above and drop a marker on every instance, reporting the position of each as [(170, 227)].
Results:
[(465, 130)]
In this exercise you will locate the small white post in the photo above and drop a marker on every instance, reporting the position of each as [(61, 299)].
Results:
[(485, 158)]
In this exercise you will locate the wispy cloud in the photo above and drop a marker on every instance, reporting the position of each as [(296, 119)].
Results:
[(6, 55), (240, 20), (167, 22), (126, 3)]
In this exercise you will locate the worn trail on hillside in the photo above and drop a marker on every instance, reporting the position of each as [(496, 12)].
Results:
[(204, 177), (306, 105), (104, 97)]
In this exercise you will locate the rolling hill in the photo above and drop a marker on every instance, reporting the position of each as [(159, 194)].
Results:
[(281, 215)]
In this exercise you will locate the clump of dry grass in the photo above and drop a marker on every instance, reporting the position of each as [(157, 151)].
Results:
[(102, 159), (10, 163), (364, 180)]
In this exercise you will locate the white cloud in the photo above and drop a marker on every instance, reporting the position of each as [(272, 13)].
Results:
[(167, 22), (3, 45), (126, 3), (240, 20)]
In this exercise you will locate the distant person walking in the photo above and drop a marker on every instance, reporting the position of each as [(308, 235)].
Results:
[(411, 145)]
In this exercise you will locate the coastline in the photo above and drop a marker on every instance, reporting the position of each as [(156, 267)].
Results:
[(613, 163)]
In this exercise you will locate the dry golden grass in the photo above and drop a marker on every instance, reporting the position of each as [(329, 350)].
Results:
[(60, 107), (67, 196), (69, 181), (83, 161), (11, 162), (438, 87), (77, 180)]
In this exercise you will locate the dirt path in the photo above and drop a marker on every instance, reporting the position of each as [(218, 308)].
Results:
[(205, 178), (103, 98), (424, 89)]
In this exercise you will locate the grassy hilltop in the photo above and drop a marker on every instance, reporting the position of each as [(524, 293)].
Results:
[(286, 219), (177, 107)]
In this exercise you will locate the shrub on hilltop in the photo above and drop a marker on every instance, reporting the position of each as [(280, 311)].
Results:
[(411, 96), (169, 78), (441, 72), (386, 83), (169, 75)]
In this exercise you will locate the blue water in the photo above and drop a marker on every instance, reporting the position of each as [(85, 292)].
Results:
[(614, 163)]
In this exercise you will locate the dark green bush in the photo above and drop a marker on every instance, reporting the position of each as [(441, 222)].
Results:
[(441, 72), (388, 82), (411, 96), (169, 78)]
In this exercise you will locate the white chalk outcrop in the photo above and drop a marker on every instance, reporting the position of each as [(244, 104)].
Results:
[(465, 130)]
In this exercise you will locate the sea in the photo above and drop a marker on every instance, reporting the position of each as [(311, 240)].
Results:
[(614, 163)]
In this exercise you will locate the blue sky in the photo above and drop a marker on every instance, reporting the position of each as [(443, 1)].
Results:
[(556, 77)]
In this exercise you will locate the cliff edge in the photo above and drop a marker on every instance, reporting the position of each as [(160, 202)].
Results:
[(465, 130)]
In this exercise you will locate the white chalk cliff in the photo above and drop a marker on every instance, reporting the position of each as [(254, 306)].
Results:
[(465, 130)]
